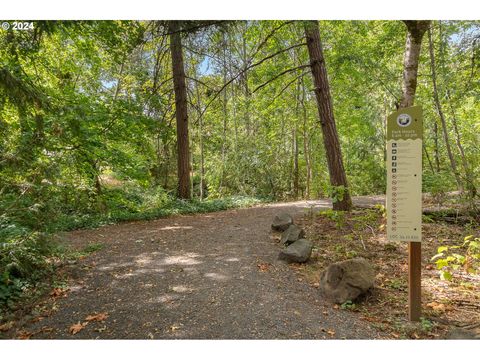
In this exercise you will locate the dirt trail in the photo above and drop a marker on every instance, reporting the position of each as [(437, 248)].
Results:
[(196, 277)]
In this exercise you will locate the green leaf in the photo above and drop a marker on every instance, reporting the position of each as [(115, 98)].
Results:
[(445, 275), (460, 258), (442, 249), (441, 263)]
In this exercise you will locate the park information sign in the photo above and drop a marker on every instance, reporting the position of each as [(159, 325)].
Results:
[(404, 175)]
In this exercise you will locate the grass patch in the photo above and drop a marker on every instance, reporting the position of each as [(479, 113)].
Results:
[(169, 207)]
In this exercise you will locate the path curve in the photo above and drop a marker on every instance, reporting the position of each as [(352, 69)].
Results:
[(196, 277)]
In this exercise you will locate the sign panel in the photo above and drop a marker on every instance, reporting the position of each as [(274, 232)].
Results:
[(404, 175)]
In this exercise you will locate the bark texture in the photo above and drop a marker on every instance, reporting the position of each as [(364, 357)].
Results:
[(181, 112), (338, 178), (416, 30)]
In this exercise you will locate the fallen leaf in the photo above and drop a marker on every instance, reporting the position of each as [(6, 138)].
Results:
[(57, 292), (97, 317), (7, 326), (437, 306), (77, 327), (331, 332), (24, 335), (316, 285), (263, 267)]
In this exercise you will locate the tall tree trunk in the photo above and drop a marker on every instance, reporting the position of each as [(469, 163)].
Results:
[(202, 160), (306, 148), (246, 89), (233, 95), (438, 105), (435, 150), (416, 30), (338, 178), (225, 110), (200, 140), (181, 111), (428, 158), (295, 163), (468, 171)]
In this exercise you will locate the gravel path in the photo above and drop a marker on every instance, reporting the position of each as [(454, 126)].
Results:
[(195, 277)]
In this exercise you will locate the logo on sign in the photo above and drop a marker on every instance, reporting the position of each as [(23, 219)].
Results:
[(404, 120)]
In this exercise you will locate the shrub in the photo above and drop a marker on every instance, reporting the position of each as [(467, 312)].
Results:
[(453, 258)]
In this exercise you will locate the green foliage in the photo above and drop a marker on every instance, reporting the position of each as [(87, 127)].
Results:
[(438, 184), (22, 262), (397, 284), (426, 324), (87, 137), (453, 258), (348, 305), (336, 216), (336, 193)]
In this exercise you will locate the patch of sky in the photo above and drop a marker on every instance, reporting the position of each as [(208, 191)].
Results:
[(205, 67)]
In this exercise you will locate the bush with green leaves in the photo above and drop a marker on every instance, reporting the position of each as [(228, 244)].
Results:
[(453, 258), (336, 216), (438, 185), (23, 261)]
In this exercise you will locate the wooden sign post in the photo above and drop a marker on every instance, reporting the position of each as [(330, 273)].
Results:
[(404, 194)]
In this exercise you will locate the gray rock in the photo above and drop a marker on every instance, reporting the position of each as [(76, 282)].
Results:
[(299, 251), (292, 234), (281, 222), (347, 280)]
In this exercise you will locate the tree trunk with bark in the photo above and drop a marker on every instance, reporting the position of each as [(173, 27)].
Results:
[(338, 178), (435, 150), (181, 110), (416, 30), (441, 114), (295, 162), (469, 176)]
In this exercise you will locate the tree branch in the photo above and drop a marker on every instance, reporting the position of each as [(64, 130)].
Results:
[(245, 70), (269, 36), (288, 85), (200, 82), (279, 75)]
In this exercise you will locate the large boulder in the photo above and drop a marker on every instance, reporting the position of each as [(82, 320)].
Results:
[(292, 234), (347, 280), (299, 252), (281, 222)]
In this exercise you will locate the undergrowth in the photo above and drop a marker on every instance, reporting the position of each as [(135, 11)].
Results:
[(28, 253)]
